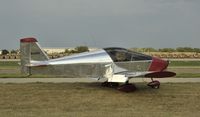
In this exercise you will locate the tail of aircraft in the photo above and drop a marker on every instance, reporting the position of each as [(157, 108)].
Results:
[(30, 50)]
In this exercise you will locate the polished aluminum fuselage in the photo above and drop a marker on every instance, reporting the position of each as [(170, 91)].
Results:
[(115, 64), (96, 64)]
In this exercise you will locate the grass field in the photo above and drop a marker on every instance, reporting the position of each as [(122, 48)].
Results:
[(9, 63), (172, 63), (187, 75), (184, 63), (185, 69), (90, 99)]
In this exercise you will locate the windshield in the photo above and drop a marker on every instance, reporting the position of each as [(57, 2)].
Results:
[(121, 54)]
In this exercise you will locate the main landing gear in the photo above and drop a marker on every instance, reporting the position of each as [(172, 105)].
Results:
[(127, 87), (110, 84), (154, 84)]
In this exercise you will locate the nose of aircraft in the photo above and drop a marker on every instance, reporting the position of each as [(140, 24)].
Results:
[(158, 64)]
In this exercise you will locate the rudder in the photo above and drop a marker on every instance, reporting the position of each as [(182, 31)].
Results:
[(30, 50)]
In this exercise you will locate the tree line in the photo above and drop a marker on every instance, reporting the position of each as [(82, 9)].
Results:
[(80, 49), (5, 52), (77, 49), (178, 49)]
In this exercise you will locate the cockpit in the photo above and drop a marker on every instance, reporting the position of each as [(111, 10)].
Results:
[(122, 55)]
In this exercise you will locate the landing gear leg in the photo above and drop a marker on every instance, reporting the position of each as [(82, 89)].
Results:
[(154, 84)]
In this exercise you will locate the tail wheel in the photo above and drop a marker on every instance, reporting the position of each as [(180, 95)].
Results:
[(154, 84)]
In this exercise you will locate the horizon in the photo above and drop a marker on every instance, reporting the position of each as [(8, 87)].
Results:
[(99, 48)]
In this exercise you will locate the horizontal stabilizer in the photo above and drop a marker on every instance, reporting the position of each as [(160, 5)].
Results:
[(37, 64)]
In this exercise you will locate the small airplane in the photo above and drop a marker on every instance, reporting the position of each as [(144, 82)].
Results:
[(117, 65)]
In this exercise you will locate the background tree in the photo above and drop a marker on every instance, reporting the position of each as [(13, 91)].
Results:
[(166, 50), (184, 49), (150, 50), (67, 51), (13, 51), (80, 49), (197, 50), (5, 52)]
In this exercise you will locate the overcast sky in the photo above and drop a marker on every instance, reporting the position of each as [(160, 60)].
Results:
[(101, 23)]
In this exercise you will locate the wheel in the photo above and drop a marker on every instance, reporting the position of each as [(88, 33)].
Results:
[(114, 84), (110, 84), (105, 84), (154, 84), (127, 88)]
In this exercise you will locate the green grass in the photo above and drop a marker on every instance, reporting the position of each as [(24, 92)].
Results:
[(31, 76), (172, 63), (12, 76), (9, 67), (184, 63), (9, 63), (92, 100), (187, 75)]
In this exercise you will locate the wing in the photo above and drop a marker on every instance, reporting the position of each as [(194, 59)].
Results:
[(148, 74), (123, 75)]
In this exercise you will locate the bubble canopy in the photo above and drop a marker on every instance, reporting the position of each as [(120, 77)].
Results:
[(122, 55)]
